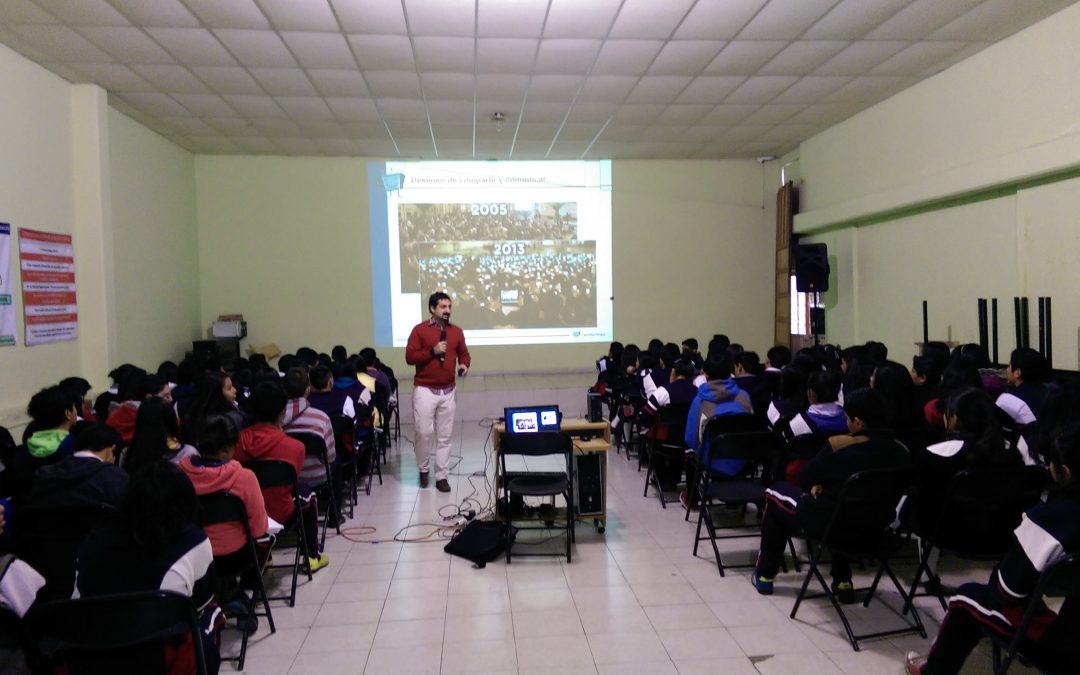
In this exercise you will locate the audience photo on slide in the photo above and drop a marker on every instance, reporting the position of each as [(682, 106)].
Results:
[(497, 221), (514, 284)]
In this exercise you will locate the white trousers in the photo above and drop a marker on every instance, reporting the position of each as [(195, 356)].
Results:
[(433, 417)]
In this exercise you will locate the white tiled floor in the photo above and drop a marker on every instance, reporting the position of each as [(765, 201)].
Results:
[(634, 600)]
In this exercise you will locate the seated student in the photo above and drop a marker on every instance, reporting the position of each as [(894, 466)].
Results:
[(109, 399), (680, 391), (89, 477), (926, 376), (265, 440), (650, 375), (611, 359), (824, 417), (215, 395), (346, 379), (691, 353), (809, 505), (19, 582), (53, 412), (155, 543), (79, 387), (301, 417), (958, 374), (748, 376), (156, 437), (1026, 373), (382, 380), (1047, 533), (775, 360), (791, 397), (133, 391), (332, 401)]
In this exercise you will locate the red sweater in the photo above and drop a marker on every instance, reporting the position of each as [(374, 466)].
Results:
[(429, 371), (123, 420), (213, 477), (264, 441)]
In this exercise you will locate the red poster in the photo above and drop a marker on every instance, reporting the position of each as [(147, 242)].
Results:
[(47, 261)]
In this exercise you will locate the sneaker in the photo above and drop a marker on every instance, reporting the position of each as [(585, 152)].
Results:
[(423, 479), (764, 586), (317, 564), (442, 485), (844, 592), (684, 499), (914, 664)]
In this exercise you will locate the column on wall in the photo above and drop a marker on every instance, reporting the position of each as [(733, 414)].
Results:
[(785, 213)]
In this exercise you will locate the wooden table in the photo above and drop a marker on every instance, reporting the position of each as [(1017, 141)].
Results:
[(576, 428)]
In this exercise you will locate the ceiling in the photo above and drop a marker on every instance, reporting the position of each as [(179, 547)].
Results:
[(572, 78)]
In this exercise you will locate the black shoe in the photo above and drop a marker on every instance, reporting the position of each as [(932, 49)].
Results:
[(844, 591), (442, 485), (423, 479)]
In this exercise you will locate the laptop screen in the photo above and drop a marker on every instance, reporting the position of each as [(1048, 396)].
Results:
[(532, 419)]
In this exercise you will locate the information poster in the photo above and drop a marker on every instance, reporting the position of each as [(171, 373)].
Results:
[(47, 261), (7, 307)]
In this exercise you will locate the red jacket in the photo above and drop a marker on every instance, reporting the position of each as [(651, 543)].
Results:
[(123, 420), (228, 538), (263, 441), (430, 372)]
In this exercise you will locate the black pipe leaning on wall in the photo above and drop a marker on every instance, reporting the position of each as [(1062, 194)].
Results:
[(1049, 336), (994, 330), (984, 336), (1025, 322), (1042, 326), (1016, 322), (925, 324)]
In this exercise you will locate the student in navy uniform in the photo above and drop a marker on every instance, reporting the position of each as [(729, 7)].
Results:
[(1024, 399), (824, 418), (680, 391), (1047, 533), (791, 396)]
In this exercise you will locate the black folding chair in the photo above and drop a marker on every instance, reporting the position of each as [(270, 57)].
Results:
[(315, 446), (743, 438), (48, 538), (278, 473), (344, 438), (114, 633), (859, 529), (1060, 579), (538, 484), (980, 511), (672, 449), (220, 508)]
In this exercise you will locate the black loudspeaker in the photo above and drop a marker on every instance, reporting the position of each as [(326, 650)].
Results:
[(811, 268), (596, 412), (817, 320), (589, 494)]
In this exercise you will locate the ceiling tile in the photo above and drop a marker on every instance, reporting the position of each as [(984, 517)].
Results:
[(995, 19), (189, 126), (257, 48), (320, 50), (66, 72), (276, 126), (785, 19), (622, 132), (304, 108), (371, 130), (801, 58), (383, 52), (284, 81), (860, 57), (868, 89), (497, 148), (852, 19), (661, 132), (230, 14), (445, 53), (84, 12), (537, 131), (62, 44), (592, 111), (521, 18), (744, 57), (648, 18), (25, 11), (658, 88), (811, 89), (211, 145), (353, 109), (542, 111), (233, 127), (920, 18), (173, 79), (255, 145), (393, 83), (554, 87), (824, 113), (684, 57), (505, 55), (918, 59), (451, 86), (493, 86), (338, 82), (558, 56), (639, 113), (29, 48), (441, 17), (729, 113), (156, 13), (263, 107), (205, 105), (300, 15), (193, 46), (454, 148), (365, 16), (576, 19), (718, 20), (297, 146), (129, 45), (377, 147), (681, 114), (578, 132), (626, 57), (404, 128), (157, 105), (710, 89), (607, 87), (451, 112), (760, 89), (112, 76), (402, 109), (227, 79)]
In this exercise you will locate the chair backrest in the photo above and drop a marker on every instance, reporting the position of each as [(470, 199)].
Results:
[(536, 445), (49, 538), (219, 508), (344, 430), (673, 417), (114, 623), (866, 504), (314, 444), (745, 436), (990, 501), (273, 473)]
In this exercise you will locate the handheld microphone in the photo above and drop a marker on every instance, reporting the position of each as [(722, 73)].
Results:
[(442, 338)]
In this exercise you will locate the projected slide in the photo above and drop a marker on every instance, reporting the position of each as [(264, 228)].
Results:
[(523, 248)]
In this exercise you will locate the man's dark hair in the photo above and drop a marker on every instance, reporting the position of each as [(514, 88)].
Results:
[(120, 372), (669, 354), (685, 368), (286, 361), (929, 367), (749, 362), (296, 382), (97, 437), (779, 356), (1030, 363), (47, 407), (369, 356), (868, 406), (718, 366), (159, 505), (150, 385), (339, 353), (826, 385), (435, 298), (216, 433), (129, 386), (690, 343), (268, 401), (320, 376), (877, 351), (359, 362), (307, 355), (75, 385)]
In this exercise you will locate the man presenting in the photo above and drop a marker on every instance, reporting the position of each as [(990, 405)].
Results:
[(438, 350)]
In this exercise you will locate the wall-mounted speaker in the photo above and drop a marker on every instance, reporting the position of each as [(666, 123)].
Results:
[(811, 268)]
